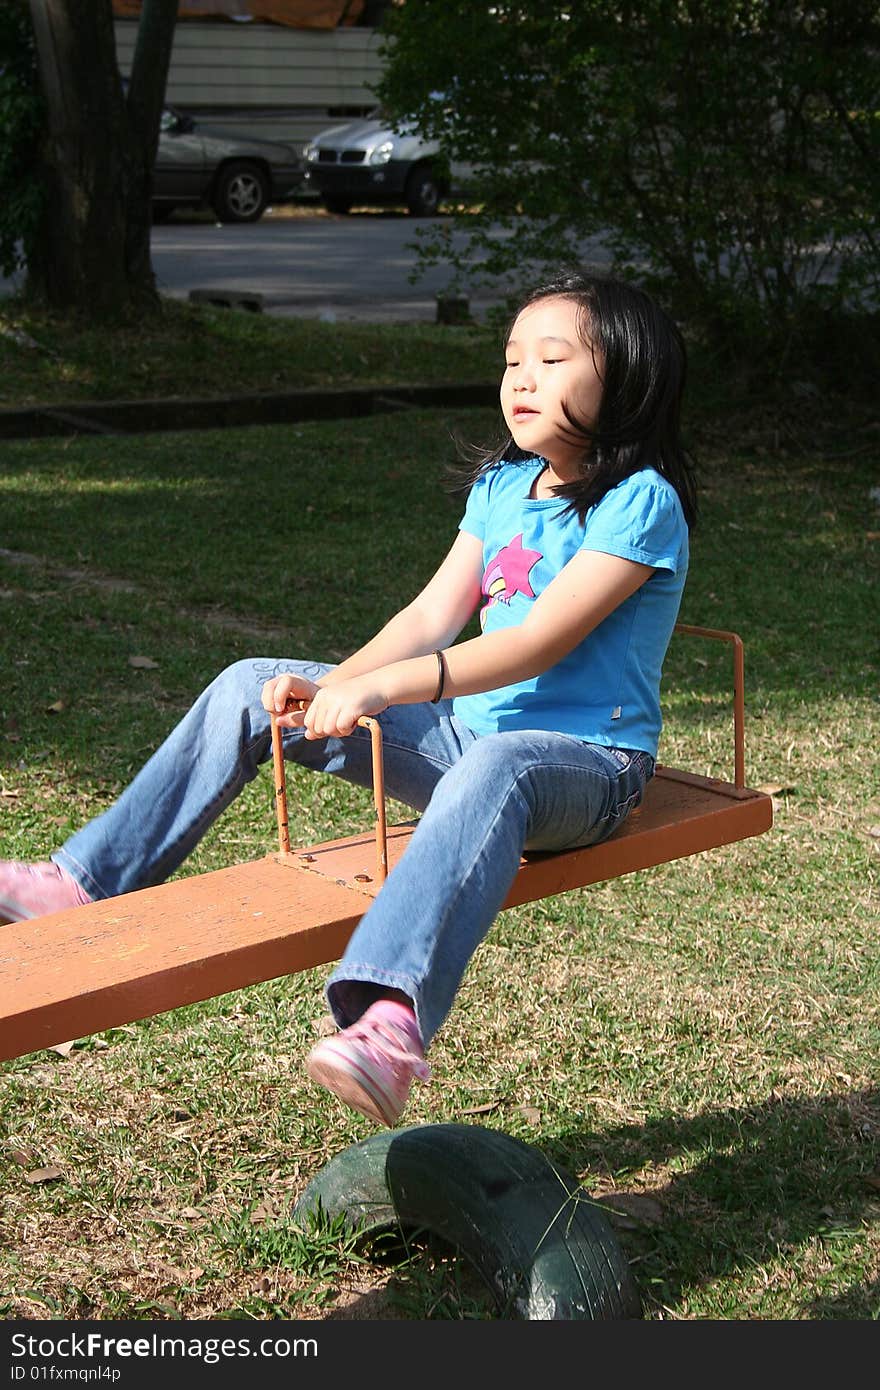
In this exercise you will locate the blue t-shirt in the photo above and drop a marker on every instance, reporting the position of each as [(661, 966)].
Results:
[(607, 689)]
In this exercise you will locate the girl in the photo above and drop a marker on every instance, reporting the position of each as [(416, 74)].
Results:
[(540, 733)]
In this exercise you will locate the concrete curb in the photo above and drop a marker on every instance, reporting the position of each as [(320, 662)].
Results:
[(145, 417)]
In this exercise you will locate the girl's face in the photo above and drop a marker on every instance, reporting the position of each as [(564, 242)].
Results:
[(548, 367)]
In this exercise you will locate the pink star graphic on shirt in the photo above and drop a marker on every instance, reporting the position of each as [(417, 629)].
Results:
[(508, 573)]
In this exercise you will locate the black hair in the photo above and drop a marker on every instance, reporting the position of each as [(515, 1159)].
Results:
[(643, 363)]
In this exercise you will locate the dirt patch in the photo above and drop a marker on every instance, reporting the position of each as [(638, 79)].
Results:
[(107, 583)]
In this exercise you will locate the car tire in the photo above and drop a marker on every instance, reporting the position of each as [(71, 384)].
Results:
[(337, 202), (422, 192), (241, 192), (545, 1250)]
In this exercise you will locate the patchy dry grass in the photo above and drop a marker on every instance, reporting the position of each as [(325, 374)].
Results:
[(697, 1043)]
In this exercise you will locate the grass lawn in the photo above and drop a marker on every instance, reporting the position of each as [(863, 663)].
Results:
[(698, 1043), (203, 352)]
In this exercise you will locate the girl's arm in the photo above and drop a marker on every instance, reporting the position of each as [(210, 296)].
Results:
[(590, 587), (581, 596), (433, 619)]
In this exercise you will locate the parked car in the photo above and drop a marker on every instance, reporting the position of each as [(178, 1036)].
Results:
[(235, 174), (369, 161)]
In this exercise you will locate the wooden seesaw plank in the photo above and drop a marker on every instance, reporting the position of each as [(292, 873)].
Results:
[(681, 814), (78, 972)]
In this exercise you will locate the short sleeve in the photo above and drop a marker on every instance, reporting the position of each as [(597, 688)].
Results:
[(642, 520), (474, 519)]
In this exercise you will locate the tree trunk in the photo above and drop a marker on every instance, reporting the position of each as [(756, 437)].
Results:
[(92, 256), (146, 96)]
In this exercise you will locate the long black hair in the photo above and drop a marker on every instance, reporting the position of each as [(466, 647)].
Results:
[(643, 362)]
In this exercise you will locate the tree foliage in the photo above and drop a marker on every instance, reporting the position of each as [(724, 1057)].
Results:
[(22, 118), (727, 151)]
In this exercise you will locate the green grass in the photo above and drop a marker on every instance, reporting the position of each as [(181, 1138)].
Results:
[(697, 1042), (190, 351)]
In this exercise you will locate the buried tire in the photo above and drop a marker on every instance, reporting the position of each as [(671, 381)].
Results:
[(544, 1249)]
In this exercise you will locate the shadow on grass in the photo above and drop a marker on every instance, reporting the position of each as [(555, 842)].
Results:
[(761, 1184), (860, 1301)]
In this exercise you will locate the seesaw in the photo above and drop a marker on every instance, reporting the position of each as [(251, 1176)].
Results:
[(74, 973)]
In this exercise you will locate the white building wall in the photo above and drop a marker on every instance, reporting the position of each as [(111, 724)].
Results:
[(264, 79)]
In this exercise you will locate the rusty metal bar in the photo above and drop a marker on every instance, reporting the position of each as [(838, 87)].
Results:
[(717, 635), (365, 722), (280, 787)]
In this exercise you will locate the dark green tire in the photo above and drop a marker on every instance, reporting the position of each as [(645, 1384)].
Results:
[(544, 1249)]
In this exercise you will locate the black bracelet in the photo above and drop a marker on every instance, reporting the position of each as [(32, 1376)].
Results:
[(441, 669)]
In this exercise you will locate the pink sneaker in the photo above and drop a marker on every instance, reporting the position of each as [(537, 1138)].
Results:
[(34, 890), (370, 1066)]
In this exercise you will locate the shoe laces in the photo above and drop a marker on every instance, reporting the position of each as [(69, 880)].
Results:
[(391, 1044)]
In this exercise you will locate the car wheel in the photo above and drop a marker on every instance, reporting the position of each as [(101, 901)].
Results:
[(422, 192), (335, 202), (241, 193)]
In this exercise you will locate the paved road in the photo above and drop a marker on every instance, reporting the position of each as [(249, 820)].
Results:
[(311, 265), (354, 267)]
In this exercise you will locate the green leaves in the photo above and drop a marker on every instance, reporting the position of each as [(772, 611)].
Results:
[(729, 151)]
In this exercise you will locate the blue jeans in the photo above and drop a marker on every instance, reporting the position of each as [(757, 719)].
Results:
[(483, 800)]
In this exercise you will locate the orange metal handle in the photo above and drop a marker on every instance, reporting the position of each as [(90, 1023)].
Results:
[(365, 722), (716, 635)]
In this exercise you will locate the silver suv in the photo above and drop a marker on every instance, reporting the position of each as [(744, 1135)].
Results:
[(369, 161)]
